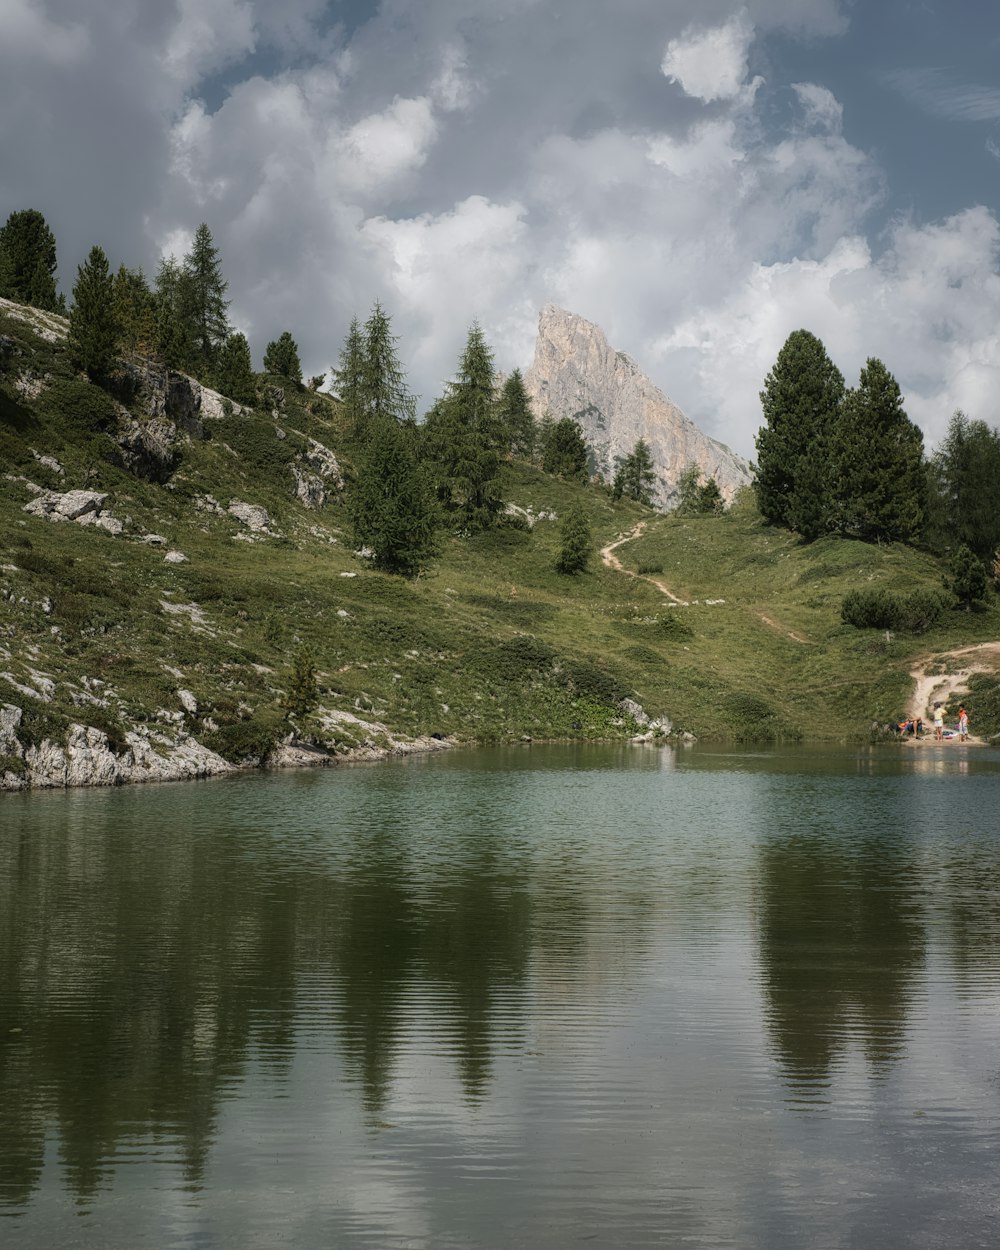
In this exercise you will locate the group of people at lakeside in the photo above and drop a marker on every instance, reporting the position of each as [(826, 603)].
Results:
[(914, 726)]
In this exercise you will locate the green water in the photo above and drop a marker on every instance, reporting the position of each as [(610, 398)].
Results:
[(544, 997)]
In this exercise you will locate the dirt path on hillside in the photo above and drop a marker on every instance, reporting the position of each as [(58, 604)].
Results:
[(931, 687), (611, 560)]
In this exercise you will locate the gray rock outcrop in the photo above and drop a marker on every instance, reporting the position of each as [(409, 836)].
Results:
[(577, 374), (85, 507)]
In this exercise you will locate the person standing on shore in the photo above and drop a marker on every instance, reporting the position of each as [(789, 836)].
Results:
[(963, 724), (938, 722)]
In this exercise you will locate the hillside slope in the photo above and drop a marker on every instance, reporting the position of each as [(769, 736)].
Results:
[(154, 633)]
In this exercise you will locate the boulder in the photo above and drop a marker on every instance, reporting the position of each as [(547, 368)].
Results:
[(252, 515)]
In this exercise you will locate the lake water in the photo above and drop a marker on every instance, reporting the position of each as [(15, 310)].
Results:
[(540, 997)]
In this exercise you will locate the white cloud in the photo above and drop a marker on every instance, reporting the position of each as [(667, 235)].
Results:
[(382, 147), (208, 35), (821, 107), (711, 64)]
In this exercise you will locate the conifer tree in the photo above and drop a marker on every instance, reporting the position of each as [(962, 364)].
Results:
[(565, 452), (965, 474), (385, 393), (302, 694), (282, 357), (879, 483), (93, 332), (462, 437), (575, 539), (392, 505), (710, 501), (688, 489), (135, 311), (175, 342), (517, 420), (801, 400), (968, 577), (638, 477), (234, 375), (348, 380), (205, 299), (28, 261)]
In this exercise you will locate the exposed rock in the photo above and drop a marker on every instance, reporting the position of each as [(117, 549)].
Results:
[(49, 462), (65, 507), (309, 488), (322, 460), (10, 719), (175, 557), (188, 702), (149, 448), (252, 515), (577, 374), (47, 325), (208, 503), (87, 760)]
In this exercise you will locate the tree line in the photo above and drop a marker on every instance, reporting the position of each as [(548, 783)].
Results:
[(838, 460)]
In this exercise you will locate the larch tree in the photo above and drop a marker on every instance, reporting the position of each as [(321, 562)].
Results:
[(565, 451), (879, 481), (28, 261), (135, 311), (517, 420), (392, 503), (574, 541), (234, 375), (965, 473), (175, 340), (93, 330), (638, 476), (801, 402), (349, 378), (205, 297)]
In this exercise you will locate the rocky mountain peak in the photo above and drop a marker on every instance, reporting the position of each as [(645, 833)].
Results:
[(577, 373)]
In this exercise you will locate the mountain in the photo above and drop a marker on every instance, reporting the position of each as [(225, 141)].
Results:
[(576, 373)]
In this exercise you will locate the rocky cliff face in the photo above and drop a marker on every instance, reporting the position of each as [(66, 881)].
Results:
[(576, 373)]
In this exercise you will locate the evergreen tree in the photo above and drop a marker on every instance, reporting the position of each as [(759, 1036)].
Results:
[(282, 358), (135, 312), (638, 477), (348, 380), (879, 484), (28, 261), (574, 534), (710, 501), (565, 452), (517, 420), (302, 694), (234, 375), (392, 506), (965, 481), (93, 332), (204, 304), (175, 341), (968, 579), (801, 400), (462, 437), (385, 395), (689, 490)]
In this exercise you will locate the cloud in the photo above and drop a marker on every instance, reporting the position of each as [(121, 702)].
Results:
[(29, 32), (381, 148), (208, 35), (936, 92), (711, 64)]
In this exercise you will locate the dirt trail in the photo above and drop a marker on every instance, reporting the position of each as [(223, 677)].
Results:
[(930, 687), (612, 561)]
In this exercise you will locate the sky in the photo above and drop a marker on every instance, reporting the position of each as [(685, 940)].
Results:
[(698, 177)]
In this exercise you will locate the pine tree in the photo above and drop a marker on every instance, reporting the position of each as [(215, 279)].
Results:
[(801, 400), (28, 260), (385, 393), (517, 420), (574, 550), (710, 501), (282, 358), (135, 312), (205, 299), (689, 490), (879, 483), (302, 694), (462, 437), (234, 375), (639, 479), (175, 342), (93, 332), (565, 452), (965, 473), (968, 579), (348, 380), (392, 505)]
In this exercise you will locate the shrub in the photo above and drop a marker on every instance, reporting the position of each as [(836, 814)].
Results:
[(884, 609), (246, 742), (645, 570), (752, 719), (80, 405)]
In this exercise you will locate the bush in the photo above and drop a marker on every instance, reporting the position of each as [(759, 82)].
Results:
[(885, 609), (80, 405), (247, 742), (752, 719), (645, 570)]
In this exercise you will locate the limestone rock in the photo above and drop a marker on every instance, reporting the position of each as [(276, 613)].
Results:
[(577, 374), (322, 461), (175, 557), (70, 506), (149, 447), (252, 515), (309, 488)]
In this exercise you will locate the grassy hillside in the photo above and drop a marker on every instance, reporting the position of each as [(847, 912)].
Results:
[(490, 644)]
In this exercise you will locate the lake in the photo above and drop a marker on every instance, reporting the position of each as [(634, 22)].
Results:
[(543, 997)]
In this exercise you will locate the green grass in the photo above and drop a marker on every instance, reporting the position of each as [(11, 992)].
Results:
[(489, 644)]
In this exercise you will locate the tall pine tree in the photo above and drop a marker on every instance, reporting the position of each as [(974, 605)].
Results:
[(565, 451), (135, 311), (801, 399), (965, 471), (28, 261), (93, 330), (282, 358), (517, 421), (175, 339), (574, 535), (879, 482), (204, 301), (392, 504), (234, 375), (349, 380)]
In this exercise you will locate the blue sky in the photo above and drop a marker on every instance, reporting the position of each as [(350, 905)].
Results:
[(699, 177)]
